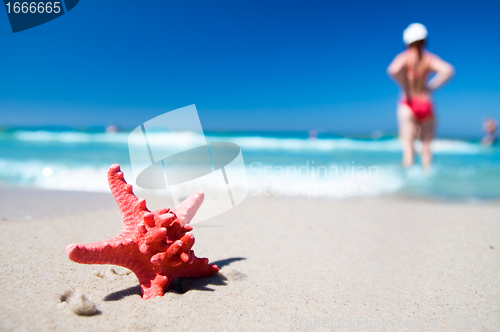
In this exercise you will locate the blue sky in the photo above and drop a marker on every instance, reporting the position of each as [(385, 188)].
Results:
[(247, 65)]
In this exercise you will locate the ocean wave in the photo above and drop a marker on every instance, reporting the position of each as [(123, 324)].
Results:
[(69, 137), (331, 180), (254, 143), (334, 180), (462, 168), (38, 174), (347, 144), (35, 173)]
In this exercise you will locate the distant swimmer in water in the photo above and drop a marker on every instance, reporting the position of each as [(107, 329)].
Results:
[(410, 69), (490, 128), (111, 129)]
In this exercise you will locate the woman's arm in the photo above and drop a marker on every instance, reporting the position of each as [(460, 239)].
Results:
[(397, 71), (444, 72)]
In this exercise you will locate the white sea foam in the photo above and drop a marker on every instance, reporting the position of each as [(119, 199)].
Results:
[(333, 180), (34, 173), (60, 165), (69, 137), (93, 178), (347, 144), (260, 143)]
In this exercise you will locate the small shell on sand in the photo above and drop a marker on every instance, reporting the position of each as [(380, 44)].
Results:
[(79, 303)]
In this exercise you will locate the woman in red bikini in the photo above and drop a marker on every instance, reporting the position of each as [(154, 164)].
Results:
[(415, 110)]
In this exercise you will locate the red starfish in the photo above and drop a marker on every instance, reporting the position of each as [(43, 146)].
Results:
[(155, 246)]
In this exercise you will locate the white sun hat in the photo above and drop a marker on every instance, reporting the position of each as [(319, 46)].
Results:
[(414, 32)]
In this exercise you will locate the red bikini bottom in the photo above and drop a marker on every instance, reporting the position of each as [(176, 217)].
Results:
[(421, 108)]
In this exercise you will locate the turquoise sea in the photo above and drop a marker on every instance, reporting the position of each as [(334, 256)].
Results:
[(276, 163)]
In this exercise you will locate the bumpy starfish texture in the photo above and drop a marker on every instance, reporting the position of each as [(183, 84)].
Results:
[(155, 246)]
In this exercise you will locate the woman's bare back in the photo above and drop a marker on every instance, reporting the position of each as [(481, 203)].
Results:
[(412, 67), (418, 68)]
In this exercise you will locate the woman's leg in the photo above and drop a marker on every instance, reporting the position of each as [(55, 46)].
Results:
[(426, 136), (407, 129)]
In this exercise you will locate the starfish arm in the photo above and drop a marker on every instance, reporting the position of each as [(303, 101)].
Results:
[(188, 208), (199, 268), (127, 202), (180, 261), (196, 268), (152, 287), (107, 252)]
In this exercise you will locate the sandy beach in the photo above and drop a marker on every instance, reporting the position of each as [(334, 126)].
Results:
[(287, 264), (350, 153)]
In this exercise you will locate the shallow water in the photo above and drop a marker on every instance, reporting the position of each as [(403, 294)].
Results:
[(276, 164)]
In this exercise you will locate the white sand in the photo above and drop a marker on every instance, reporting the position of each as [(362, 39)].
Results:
[(287, 264)]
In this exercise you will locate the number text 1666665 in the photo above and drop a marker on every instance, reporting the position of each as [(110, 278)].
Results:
[(33, 7)]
